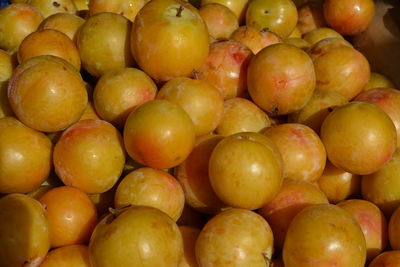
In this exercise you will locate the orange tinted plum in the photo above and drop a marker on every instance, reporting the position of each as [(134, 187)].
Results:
[(42, 89), (357, 145), (16, 22), (159, 134), (25, 157), (120, 91), (103, 43), (301, 148), (73, 255), (278, 16), (386, 259), (136, 236), (281, 79), (153, 188), (49, 42), (334, 238), (237, 6), (245, 170), (235, 237), (176, 25), (341, 69), (90, 156), (349, 17), (372, 222), (72, 215)]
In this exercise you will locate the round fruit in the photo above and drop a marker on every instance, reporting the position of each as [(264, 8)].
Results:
[(49, 42), (153, 188), (281, 79), (245, 170), (235, 237), (341, 69), (293, 196), (201, 101), (324, 235), (90, 156), (120, 91), (169, 39), (349, 17), (320, 34), (278, 16), (42, 89), (137, 236), (159, 134), (25, 157), (301, 148), (24, 231), (372, 222), (16, 22), (73, 255), (103, 43), (71, 214), (357, 145), (6, 66)]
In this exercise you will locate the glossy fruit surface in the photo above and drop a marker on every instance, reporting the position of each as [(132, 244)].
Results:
[(357, 145), (73, 255), (42, 89), (333, 238), (235, 237), (159, 134), (24, 231), (136, 236), (63, 22), (90, 155), (71, 214)]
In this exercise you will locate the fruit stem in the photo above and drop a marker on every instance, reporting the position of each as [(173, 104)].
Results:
[(179, 13), (195, 74), (267, 259)]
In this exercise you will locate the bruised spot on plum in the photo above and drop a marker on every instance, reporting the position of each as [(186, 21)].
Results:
[(297, 132), (239, 57), (56, 4)]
